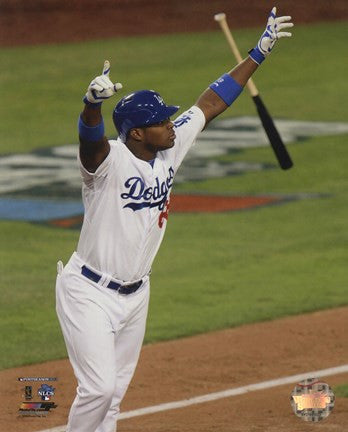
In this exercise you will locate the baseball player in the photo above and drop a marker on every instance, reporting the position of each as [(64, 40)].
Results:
[(103, 291)]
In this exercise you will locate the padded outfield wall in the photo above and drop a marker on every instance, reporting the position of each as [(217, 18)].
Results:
[(24, 22)]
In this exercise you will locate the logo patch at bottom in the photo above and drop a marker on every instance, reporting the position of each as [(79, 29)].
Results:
[(312, 400)]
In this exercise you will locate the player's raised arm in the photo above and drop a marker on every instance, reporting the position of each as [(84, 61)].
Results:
[(225, 90), (94, 146)]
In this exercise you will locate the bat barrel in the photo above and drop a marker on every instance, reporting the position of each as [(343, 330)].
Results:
[(275, 139)]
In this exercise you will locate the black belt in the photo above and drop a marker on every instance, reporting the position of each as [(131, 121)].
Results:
[(122, 289)]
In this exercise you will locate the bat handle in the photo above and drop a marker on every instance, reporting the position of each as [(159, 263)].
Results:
[(221, 19)]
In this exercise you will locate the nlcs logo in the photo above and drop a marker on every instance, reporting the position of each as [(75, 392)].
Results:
[(46, 392)]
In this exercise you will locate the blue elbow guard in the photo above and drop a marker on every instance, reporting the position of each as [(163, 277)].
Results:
[(91, 133), (227, 88)]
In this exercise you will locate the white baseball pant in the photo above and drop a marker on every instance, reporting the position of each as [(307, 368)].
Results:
[(103, 331)]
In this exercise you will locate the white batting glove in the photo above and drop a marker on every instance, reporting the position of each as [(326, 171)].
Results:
[(271, 34), (101, 87)]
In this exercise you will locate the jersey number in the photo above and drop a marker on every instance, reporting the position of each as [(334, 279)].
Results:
[(164, 214)]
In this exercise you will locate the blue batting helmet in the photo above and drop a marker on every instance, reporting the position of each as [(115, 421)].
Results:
[(141, 108)]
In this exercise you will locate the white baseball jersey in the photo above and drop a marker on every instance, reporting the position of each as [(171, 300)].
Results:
[(126, 204)]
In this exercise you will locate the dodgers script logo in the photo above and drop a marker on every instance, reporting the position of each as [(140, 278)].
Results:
[(142, 196)]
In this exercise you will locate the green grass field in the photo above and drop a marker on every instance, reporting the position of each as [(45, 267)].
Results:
[(341, 391), (213, 271)]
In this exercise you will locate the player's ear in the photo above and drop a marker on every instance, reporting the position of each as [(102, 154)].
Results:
[(137, 134)]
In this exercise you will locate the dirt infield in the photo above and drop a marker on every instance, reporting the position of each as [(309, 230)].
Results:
[(216, 361), (24, 22)]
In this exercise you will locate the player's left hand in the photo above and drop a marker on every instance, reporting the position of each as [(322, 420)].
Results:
[(101, 88), (272, 33)]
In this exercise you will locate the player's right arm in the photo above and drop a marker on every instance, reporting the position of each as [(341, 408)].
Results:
[(94, 146)]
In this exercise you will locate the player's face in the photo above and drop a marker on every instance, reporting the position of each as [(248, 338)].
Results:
[(159, 136)]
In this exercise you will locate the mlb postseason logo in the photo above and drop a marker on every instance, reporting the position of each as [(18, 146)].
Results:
[(30, 408)]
